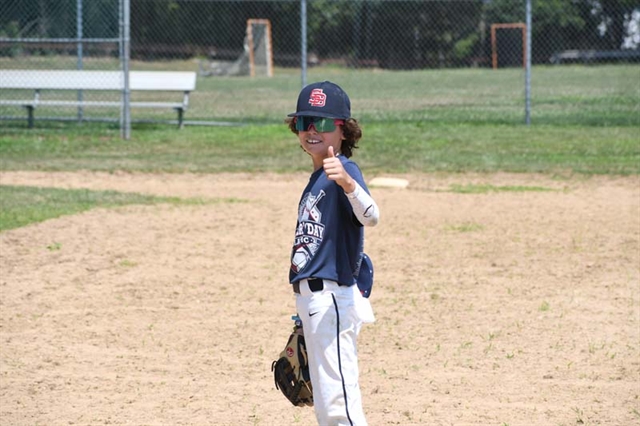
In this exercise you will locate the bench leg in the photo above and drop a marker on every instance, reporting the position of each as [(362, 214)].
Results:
[(180, 118), (30, 116)]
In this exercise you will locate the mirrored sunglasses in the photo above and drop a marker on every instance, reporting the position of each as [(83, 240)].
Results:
[(321, 124)]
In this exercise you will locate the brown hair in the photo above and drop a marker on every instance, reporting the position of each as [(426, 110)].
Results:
[(350, 129)]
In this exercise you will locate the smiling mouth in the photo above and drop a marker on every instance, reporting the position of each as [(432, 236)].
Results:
[(313, 141)]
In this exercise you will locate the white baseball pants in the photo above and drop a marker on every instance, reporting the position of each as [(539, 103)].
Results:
[(331, 324)]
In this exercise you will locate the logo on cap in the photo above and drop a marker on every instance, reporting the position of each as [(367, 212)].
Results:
[(317, 98)]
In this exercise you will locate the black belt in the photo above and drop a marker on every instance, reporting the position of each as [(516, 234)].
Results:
[(315, 284)]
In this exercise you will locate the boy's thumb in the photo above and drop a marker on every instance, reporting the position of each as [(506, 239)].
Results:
[(330, 152)]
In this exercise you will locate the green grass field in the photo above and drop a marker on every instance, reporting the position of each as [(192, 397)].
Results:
[(606, 95), (585, 120)]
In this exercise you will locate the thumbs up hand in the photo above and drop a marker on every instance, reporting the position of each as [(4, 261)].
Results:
[(335, 171)]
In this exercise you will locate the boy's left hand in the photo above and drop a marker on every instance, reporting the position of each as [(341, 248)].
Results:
[(336, 172)]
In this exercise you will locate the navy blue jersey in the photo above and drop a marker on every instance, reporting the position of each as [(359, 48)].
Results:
[(329, 239)]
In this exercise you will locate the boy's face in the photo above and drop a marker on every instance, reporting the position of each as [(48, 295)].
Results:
[(317, 143)]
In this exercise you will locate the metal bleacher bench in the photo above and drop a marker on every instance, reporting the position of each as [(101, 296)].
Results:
[(40, 80)]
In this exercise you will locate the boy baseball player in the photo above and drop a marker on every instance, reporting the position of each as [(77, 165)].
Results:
[(328, 250)]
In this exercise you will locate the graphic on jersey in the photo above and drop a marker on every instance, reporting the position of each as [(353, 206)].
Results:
[(309, 232)]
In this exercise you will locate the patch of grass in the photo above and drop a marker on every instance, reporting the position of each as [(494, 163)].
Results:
[(55, 246), (23, 205), (466, 345), (407, 147), (580, 418), (390, 147), (486, 188), (465, 227)]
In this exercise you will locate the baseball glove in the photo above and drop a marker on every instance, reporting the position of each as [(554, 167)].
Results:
[(291, 371)]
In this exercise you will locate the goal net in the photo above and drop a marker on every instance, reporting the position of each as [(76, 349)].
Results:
[(259, 46), (256, 59), (508, 45)]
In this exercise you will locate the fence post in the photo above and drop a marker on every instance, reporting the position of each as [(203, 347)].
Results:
[(527, 72), (125, 122), (303, 43), (79, 31)]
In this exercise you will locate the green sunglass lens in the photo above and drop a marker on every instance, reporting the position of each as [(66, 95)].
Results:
[(321, 124)]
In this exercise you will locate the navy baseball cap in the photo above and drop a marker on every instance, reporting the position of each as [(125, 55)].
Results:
[(323, 99)]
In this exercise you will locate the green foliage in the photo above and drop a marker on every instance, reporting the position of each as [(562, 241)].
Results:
[(394, 34), (561, 25), (330, 25), (464, 47), (10, 29)]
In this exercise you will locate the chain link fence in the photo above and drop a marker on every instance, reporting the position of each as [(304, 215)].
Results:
[(433, 60)]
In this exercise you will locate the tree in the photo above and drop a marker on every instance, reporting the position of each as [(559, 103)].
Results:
[(568, 24), (612, 15)]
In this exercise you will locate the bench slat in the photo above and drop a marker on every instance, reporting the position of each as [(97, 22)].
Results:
[(184, 81), (97, 80), (31, 102), (109, 104)]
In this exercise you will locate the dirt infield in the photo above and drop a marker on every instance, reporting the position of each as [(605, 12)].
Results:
[(512, 307)]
